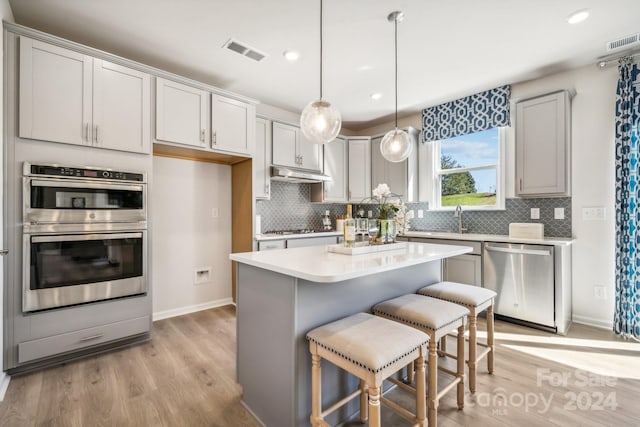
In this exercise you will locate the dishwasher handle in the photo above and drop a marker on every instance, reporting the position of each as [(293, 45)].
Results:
[(518, 251)]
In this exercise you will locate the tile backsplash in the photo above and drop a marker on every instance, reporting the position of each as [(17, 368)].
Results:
[(290, 208)]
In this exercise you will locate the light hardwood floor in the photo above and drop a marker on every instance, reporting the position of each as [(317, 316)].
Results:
[(185, 376)]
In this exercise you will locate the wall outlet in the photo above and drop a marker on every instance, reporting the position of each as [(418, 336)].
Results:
[(535, 213), (201, 275), (420, 213), (596, 213), (214, 213), (558, 213), (600, 292)]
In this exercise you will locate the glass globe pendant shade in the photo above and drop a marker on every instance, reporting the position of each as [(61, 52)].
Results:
[(320, 122), (396, 145)]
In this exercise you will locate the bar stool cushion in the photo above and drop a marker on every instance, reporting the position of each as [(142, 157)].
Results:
[(458, 293), (426, 313), (368, 341)]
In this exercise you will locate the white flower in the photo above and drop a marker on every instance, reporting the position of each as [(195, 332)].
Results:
[(382, 190)]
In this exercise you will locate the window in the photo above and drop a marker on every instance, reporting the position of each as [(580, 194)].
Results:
[(468, 171)]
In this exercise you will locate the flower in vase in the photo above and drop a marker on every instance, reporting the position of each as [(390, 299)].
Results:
[(403, 217), (384, 197)]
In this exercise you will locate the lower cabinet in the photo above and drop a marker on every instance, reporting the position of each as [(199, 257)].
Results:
[(83, 338), (268, 245), (463, 269), (302, 242)]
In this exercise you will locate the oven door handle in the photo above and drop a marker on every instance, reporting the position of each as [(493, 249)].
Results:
[(78, 237), (84, 184)]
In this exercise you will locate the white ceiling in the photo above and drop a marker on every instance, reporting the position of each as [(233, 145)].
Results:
[(447, 48)]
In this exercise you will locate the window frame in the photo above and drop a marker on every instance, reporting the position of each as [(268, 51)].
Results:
[(434, 180)]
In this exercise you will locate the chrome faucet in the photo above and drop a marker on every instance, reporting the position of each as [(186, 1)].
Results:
[(458, 214)]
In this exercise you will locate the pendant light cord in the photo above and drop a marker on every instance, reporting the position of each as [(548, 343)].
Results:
[(320, 49), (395, 24)]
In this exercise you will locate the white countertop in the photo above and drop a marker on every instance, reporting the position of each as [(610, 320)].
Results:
[(316, 264), (265, 237), (557, 241)]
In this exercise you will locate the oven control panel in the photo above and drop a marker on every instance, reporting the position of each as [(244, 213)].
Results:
[(54, 170)]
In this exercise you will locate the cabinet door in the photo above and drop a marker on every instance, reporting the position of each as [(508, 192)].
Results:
[(335, 165), (311, 241), (262, 159), (231, 121), (542, 145), (182, 113), (310, 153), (121, 108), (359, 169), (55, 93), (285, 141), (464, 269), (378, 164)]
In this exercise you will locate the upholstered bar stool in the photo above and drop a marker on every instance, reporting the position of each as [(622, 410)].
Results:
[(437, 318), (476, 300), (372, 349)]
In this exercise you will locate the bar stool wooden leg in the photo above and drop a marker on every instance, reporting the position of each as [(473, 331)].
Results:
[(316, 388), (432, 390), (473, 340), (443, 344), (374, 406), (410, 370), (364, 413), (460, 367), (490, 342), (421, 404)]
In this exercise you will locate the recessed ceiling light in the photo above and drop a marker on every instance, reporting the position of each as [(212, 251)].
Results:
[(291, 55), (578, 16), (365, 68), (376, 96)]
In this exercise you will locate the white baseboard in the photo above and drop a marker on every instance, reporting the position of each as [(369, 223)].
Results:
[(159, 315), (4, 384), (590, 321)]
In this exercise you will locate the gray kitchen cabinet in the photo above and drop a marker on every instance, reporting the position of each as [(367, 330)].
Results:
[(181, 113), (359, 162), (462, 268), (73, 98), (262, 160), (311, 241), (292, 149), (267, 245), (232, 125), (335, 165), (401, 177), (543, 146)]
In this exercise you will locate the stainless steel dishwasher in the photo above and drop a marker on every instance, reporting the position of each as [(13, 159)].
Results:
[(523, 277)]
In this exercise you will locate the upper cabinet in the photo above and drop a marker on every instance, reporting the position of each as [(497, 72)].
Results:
[(69, 97), (335, 165), (359, 154), (291, 148), (192, 116), (232, 125), (262, 160), (543, 146), (182, 114), (401, 177)]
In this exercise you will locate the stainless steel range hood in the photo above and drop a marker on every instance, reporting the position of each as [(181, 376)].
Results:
[(280, 173)]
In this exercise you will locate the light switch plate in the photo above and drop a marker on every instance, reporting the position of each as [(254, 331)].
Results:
[(420, 213), (596, 213), (558, 213), (535, 213)]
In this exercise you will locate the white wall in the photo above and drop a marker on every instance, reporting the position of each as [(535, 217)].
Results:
[(185, 236), (7, 15), (592, 176)]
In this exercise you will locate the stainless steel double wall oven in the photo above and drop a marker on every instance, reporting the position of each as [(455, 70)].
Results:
[(84, 235)]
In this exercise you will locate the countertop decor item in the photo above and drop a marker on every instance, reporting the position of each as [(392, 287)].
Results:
[(320, 121), (388, 205)]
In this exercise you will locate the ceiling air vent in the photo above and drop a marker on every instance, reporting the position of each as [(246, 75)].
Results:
[(624, 42), (244, 50)]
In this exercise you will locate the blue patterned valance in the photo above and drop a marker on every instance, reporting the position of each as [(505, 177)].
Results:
[(474, 113)]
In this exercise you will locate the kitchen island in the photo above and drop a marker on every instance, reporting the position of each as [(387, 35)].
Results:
[(282, 294)]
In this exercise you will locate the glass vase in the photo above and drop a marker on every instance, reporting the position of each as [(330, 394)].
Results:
[(386, 231)]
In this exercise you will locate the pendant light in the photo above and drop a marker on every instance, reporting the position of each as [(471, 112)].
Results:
[(396, 145), (320, 120)]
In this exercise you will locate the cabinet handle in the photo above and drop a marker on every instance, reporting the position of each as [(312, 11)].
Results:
[(86, 132), (215, 138), (520, 184), (91, 338), (96, 135), (201, 135), (325, 194), (4, 252), (349, 194), (301, 160), (266, 188)]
